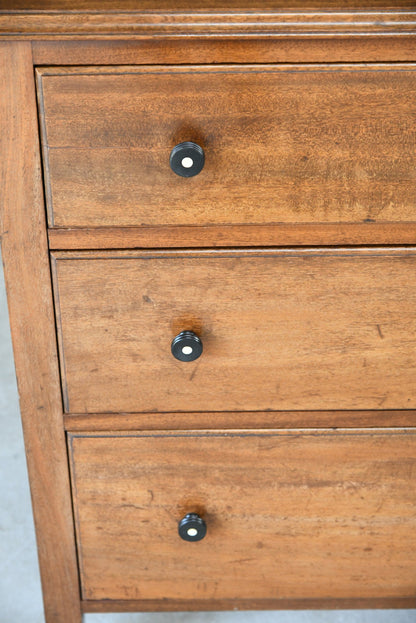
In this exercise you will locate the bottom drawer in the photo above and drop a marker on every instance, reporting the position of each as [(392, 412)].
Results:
[(317, 514)]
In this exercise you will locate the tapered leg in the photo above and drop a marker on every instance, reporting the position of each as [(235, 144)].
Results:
[(27, 274)]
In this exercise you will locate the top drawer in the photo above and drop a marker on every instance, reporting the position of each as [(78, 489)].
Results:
[(283, 144)]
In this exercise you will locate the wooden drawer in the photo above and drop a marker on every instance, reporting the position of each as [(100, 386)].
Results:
[(289, 515), (283, 144), (310, 329)]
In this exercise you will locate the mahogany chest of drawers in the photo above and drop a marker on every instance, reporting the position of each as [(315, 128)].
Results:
[(209, 239)]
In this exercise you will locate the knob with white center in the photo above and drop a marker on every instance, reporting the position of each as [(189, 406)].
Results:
[(187, 159), (192, 527), (186, 346)]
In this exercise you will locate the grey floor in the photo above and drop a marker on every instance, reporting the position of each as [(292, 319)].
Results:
[(20, 596)]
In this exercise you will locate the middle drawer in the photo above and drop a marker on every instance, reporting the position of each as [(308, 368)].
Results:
[(310, 329)]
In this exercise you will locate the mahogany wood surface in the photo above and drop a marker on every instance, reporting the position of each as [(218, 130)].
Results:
[(284, 144), (320, 234), (306, 329), (149, 605), (252, 7), (130, 19), (334, 509), (27, 275), (240, 419), (316, 342), (185, 50)]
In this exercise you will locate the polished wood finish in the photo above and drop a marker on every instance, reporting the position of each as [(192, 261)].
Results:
[(334, 509), (301, 7), (240, 420), (130, 19), (185, 50), (300, 144), (321, 234), (311, 329), (27, 275)]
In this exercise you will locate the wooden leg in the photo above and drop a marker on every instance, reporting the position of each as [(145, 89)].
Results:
[(27, 274)]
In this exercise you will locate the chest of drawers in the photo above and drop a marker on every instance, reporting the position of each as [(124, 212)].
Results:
[(209, 239)]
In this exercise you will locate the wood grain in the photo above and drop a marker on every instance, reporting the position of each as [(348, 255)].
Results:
[(189, 6), (327, 517), (290, 515), (185, 50), (310, 329), (149, 605), (240, 420), (272, 19), (317, 234), (284, 144), (27, 274)]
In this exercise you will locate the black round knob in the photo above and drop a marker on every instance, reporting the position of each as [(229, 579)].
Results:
[(192, 527), (187, 159), (186, 346)]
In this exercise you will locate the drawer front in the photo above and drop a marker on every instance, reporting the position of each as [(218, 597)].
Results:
[(280, 330), (283, 144), (288, 515)]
